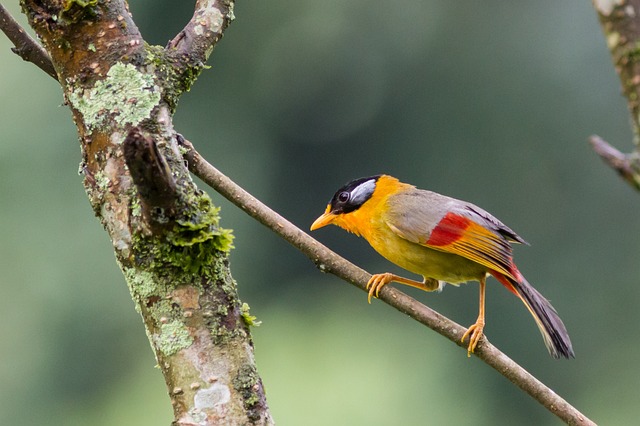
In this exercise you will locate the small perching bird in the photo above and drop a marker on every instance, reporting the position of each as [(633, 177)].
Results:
[(443, 239)]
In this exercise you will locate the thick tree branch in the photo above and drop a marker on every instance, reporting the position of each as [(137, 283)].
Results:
[(165, 231), (620, 21), (25, 46), (330, 262)]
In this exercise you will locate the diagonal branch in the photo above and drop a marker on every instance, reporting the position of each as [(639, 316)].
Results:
[(328, 261), (25, 46)]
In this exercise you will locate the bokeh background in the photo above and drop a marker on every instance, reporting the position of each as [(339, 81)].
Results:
[(489, 101)]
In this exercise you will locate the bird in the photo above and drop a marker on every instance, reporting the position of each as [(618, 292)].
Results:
[(443, 239)]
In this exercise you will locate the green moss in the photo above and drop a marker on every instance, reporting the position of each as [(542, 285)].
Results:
[(187, 233), (126, 96), (197, 257), (193, 245), (136, 208), (79, 3), (196, 235), (78, 10), (245, 383), (173, 337), (249, 319)]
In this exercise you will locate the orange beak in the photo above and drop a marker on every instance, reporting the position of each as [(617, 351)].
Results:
[(327, 218)]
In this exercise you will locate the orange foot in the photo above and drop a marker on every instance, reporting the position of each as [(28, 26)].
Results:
[(474, 333), (376, 282)]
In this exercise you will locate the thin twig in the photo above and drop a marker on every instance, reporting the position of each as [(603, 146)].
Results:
[(328, 261), (618, 161), (25, 46)]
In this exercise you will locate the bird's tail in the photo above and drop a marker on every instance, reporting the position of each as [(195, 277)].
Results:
[(554, 333)]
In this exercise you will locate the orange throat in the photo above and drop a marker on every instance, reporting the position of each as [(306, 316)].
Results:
[(352, 223)]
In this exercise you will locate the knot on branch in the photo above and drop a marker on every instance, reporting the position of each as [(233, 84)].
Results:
[(151, 175)]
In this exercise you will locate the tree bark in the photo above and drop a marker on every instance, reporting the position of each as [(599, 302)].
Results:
[(174, 255), (621, 26)]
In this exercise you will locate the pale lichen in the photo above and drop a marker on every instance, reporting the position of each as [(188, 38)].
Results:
[(230, 15), (173, 337), (605, 7), (213, 397), (211, 17), (141, 283), (613, 39), (102, 181), (125, 97)]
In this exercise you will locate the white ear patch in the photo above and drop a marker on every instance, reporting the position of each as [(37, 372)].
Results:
[(362, 192)]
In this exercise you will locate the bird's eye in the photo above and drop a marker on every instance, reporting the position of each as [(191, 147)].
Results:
[(343, 197)]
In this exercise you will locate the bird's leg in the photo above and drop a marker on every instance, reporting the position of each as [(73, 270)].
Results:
[(475, 331), (378, 281)]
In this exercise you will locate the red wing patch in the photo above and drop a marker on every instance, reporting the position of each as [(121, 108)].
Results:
[(462, 236), (450, 229)]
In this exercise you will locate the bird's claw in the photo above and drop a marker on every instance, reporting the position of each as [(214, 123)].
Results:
[(474, 332), (376, 282)]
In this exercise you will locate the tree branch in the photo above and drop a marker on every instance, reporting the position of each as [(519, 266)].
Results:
[(202, 32), (189, 50), (165, 231), (328, 261), (621, 26), (25, 46), (627, 165)]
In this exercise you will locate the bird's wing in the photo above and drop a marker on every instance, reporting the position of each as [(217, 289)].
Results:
[(453, 226)]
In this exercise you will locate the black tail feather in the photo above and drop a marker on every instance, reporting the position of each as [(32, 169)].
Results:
[(554, 333)]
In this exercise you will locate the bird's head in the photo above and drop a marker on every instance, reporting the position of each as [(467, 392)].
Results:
[(358, 202)]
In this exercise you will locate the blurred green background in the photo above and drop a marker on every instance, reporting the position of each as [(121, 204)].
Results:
[(490, 101)]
